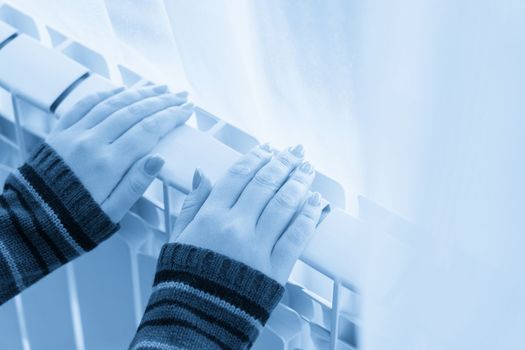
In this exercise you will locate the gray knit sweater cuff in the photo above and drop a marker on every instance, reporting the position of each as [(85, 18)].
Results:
[(62, 190), (205, 300), (218, 275)]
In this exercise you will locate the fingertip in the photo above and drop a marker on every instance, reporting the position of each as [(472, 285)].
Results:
[(315, 199), (188, 107), (266, 147), (306, 171), (181, 112), (200, 180), (160, 89), (154, 164), (318, 208), (182, 94), (185, 112), (111, 92), (297, 150), (315, 208), (151, 90)]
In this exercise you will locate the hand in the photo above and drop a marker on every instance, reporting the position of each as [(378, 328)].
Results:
[(106, 139), (259, 213)]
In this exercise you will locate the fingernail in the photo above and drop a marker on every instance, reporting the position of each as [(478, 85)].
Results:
[(188, 106), (182, 94), (160, 89), (197, 177), (266, 147), (298, 151), (315, 199), (153, 165), (327, 209), (306, 167)]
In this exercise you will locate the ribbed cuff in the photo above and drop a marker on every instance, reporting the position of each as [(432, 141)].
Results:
[(76, 208), (237, 283)]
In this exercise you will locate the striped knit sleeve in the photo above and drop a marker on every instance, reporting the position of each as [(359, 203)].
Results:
[(204, 300), (47, 218)]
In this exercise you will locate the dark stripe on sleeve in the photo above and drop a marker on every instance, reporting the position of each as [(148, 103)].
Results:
[(58, 207), (38, 152), (34, 220), (199, 313), (183, 324), (20, 231), (216, 289), (10, 281)]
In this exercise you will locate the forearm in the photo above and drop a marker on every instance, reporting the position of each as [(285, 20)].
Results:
[(47, 218), (204, 300)]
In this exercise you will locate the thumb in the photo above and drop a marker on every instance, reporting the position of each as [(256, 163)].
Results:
[(193, 202), (132, 186)]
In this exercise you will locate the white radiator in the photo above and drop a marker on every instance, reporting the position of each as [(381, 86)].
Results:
[(97, 301)]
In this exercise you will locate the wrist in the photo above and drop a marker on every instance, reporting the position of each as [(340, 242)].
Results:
[(51, 180)]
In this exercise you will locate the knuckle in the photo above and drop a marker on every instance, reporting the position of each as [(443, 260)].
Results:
[(151, 105), (233, 228), (98, 96), (115, 103), (240, 169), (165, 98), (207, 219), (300, 179), (188, 207), (134, 109), (309, 215), (286, 199), (142, 93), (259, 155), (91, 98), (286, 160), (296, 236), (280, 256), (150, 125), (191, 203), (266, 179), (104, 162), (136, 185), (85, 102), (84, 145)]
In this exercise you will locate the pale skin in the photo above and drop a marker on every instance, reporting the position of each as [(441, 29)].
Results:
[(260, 212), (106, 139)]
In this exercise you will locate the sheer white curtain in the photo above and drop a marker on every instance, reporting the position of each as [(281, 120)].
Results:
[(417, 105), (278, 70)]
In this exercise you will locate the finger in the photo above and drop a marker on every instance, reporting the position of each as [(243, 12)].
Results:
[(132, 186), (228, 189), (284, 205), (267, 182), (192, 204), (119, 122), (141, 138), (292, 242), (119, 101), (82, 107)]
